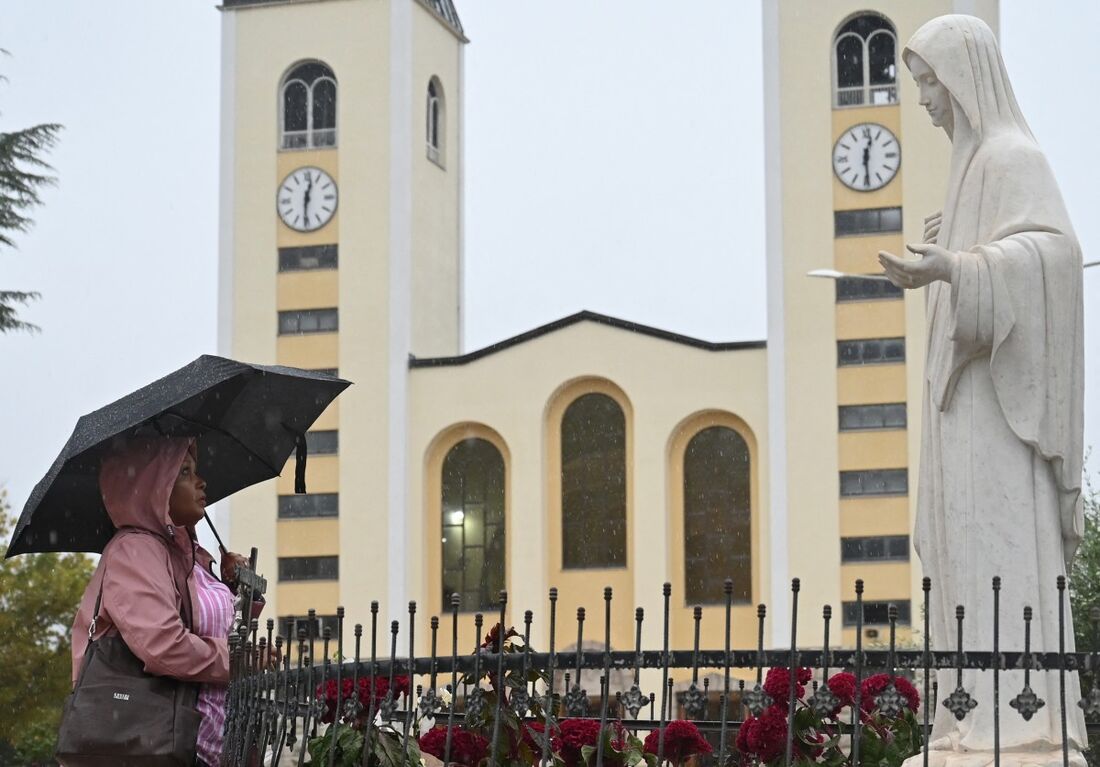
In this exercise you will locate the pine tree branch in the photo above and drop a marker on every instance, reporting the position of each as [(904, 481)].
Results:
[(9, 322), (23, 174)]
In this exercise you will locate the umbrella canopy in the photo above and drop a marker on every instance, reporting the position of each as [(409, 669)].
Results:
[(248, 418)]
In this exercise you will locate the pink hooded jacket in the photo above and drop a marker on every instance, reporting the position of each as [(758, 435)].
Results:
[(148, 565)]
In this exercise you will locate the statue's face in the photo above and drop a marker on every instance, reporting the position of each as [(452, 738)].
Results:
[(933, 95)]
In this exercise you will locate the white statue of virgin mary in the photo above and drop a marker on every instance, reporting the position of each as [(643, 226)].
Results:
[(1001, 453)]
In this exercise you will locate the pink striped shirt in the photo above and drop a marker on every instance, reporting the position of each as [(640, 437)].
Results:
[(214, 619)]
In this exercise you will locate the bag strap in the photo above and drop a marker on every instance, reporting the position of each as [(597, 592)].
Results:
[(103, 579)]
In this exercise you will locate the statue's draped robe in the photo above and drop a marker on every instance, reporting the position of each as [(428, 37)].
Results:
[(1001, 451)]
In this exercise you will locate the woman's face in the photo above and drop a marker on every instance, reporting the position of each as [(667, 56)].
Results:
[(933, 95), (187, 504)]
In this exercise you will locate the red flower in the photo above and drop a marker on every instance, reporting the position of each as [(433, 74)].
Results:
[(777, 684), (745, 734), (467, 748), (575, 734), (682, 739), (768, 737), (381, 686), (843, 685), (873, 686), (492, 639)]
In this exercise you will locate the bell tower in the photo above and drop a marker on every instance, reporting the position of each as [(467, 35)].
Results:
[(852, 167), (340, 250)]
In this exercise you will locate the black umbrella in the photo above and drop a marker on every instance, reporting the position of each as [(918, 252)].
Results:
[(249, 419)]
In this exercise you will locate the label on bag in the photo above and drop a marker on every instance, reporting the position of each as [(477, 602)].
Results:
[(122, 696)]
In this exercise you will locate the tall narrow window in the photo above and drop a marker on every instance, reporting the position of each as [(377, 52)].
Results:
[(434, 118), (593, 483), (717, 515), (473, 524), (309, 107), (865, 62)]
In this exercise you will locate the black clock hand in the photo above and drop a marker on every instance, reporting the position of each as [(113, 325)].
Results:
[(305, 201), (867, 163)]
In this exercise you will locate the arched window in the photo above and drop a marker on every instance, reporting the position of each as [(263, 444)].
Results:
[(473, 524), (593, 483), (435, 125), (717, 516), (865, 62), (309, 107)]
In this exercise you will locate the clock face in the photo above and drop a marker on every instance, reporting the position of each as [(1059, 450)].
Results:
[(866, 157), (307, 199)]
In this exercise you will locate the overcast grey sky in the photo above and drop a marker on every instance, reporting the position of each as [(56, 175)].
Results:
[(614, 162)]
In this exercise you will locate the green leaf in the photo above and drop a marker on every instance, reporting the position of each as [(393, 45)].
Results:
[(386, 747)]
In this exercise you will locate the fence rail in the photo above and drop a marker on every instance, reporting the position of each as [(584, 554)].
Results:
[(276, 701)]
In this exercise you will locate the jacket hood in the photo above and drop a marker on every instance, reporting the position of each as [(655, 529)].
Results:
[(136, 479)]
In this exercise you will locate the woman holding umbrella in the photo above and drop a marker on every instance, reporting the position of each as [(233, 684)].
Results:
[(154, 584), (126, 484)]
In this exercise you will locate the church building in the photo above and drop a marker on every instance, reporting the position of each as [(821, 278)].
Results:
[(591, 451)]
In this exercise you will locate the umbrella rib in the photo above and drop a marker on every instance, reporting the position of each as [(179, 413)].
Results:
[(231, 436)]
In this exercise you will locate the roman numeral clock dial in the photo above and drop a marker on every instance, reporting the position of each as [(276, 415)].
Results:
[(307, 199), (866, 157)]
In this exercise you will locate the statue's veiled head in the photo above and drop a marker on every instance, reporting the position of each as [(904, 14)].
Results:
[(958, 68), (934, 95)]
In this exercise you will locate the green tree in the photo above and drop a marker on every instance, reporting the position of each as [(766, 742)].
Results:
[(39, 594), (1084, 593), (1084, 578), (23, 175)]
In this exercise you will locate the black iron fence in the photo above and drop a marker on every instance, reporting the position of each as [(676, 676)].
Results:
[(293, 696)]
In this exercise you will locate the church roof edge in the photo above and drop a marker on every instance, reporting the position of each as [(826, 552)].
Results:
[(444, 10), (573, 319)]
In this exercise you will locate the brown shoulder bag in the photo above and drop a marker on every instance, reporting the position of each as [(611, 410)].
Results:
[(118, 714)]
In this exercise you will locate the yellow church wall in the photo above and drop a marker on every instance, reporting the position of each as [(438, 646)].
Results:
[(351, 36), (513, 392), (299, 597), (881, 580), (870, 319), (870, 385), (308, 537), (308, 290), (437, 190), (328, 420), (881, 515), (798, 43), (859, 254), (517, 393), (311, 351), (873, 450), (322, 475)]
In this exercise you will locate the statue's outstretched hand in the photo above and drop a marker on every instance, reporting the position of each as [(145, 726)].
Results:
[(935, 263), (932, 226)]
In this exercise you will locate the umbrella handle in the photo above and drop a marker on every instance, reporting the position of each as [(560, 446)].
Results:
[(214, 530)]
